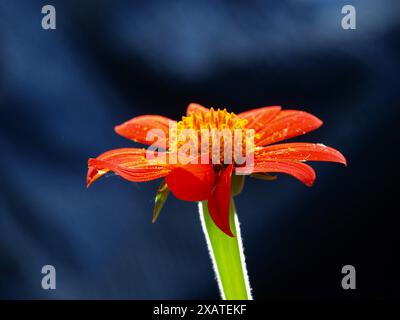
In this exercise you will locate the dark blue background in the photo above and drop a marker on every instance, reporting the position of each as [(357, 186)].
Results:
[(62, 92)]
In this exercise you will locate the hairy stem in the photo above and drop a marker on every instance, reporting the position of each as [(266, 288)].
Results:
[(227, 255)]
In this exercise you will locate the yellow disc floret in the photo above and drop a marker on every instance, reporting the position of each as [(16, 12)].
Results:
[(205, 126)]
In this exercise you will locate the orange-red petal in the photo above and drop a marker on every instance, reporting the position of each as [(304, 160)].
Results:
[(219, 201), (287, 124), (300, 152), (129, 163), (196, 108), (299, 170), (137, 130), (258, 118), (191, 182)]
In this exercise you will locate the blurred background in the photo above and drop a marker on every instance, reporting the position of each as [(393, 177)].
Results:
[(62, 91)]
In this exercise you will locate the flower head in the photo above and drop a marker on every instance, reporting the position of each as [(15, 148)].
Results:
[(198, 162)]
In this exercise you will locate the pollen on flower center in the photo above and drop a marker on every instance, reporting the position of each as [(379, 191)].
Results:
[(213, 119), (218, 133)]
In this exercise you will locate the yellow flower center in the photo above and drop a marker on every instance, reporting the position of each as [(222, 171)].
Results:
[(213, 119), (218, 133)]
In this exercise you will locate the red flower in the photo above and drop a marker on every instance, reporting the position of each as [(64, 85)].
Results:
[(212, 182)]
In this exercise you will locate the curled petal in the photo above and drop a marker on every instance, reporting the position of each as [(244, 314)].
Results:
[(287, 124), (129, 163), (141, 128), (219, 201), (300, 152), (299, 170), (191, 182), (196, 108), (260, 117)]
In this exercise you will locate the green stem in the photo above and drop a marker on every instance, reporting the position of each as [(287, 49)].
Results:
[(226, 255)]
